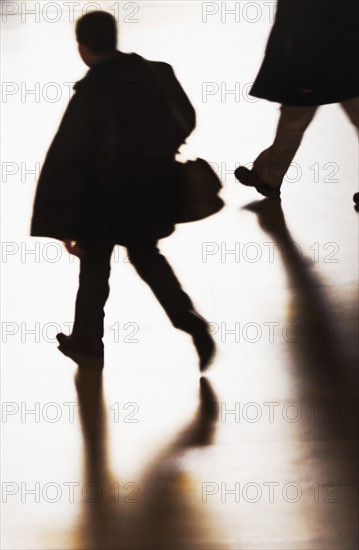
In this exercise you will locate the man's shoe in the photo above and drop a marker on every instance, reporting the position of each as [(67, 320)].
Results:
[(80, 349), (356, 201), (251, 179)]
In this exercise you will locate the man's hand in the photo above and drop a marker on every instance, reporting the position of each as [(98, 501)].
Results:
[(75, 249)]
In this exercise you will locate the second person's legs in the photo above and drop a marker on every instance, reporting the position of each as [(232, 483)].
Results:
[(351, 108), (273, 163)]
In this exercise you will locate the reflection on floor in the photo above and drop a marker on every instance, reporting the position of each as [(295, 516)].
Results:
[(258, 455)]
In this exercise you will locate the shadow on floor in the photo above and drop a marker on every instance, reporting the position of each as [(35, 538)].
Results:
[(165, 510)]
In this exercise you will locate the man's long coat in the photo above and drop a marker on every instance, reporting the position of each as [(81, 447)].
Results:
[(109, 174)]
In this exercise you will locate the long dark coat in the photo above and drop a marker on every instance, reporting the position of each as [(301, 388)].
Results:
[(109, 174), (312, 54)]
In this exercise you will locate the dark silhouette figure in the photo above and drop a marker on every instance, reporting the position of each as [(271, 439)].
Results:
[(311, 59), (148, 512), (110, 178)]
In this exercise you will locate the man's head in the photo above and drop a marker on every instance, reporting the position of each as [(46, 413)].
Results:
[(96, 34)]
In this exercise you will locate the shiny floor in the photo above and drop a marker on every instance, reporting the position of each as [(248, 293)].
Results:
[(259, 454)]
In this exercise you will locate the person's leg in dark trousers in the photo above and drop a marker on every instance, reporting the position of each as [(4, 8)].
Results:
[(154, 269), (95, 269), (87, 333)]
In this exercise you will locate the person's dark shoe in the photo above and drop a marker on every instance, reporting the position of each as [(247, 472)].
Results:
[(251, 179), (78, 350), (205, 347), (356, 201)]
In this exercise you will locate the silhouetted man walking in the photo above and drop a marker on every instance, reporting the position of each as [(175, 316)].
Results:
[(311, 59), (110, 178)]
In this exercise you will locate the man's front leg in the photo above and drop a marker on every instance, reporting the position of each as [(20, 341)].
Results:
[(95, 268)]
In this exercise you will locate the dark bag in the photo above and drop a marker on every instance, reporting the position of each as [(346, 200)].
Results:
[(198, 187)]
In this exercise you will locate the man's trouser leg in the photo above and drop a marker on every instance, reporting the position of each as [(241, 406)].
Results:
[(154, 269), (272, 164), (93, 292)]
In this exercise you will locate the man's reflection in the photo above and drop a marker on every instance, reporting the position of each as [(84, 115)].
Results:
[(160, 511)]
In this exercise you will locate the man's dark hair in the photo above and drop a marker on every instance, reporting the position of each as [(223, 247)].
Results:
[(98, 31)]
